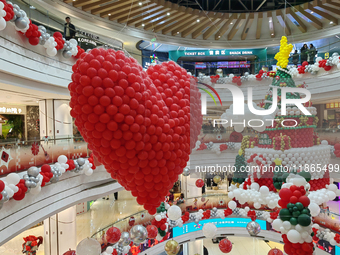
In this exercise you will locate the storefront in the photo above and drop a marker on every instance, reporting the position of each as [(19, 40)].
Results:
[(331, 118), (221, 61)]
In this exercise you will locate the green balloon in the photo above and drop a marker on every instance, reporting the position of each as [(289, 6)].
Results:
[(304, 220), (293, 221), (284, 177), (295, 209), (305, 175), (296, 214), (285, 214), (305, 211), (299, 206), (290, 205)]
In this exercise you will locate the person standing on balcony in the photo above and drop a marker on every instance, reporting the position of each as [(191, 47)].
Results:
[(69, 29), (295, 58), (304, 53), (311, 52)]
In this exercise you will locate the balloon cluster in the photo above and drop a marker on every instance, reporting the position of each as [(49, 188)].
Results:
[(8, 8), (3, 15), (33, 34), (58, 38), (237, 80), (214, 78), (337, 150), (80, 51), (20, 19), (283, 55), (136, 123), (70, 48)]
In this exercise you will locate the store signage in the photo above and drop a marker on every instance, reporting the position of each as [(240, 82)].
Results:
[(88, 34), (85, 40), (220, 223), (217, 53), (333, 105), (12, 109), (175, 55)]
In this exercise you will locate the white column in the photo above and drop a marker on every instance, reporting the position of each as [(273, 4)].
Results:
[(195, 247), (60, 232), (55, 118)]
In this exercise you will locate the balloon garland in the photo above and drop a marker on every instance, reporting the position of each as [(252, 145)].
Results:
[(37, 34), (13, 186)]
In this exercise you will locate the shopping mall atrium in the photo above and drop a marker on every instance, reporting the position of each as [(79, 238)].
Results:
[(169, 127)]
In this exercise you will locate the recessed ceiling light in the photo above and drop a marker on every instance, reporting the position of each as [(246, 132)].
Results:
[(198, 20), (272, 34), (140, 3), (231, 23), (143, 25), (177, 32), (32, 7), (219, 36), (270, 20), (109, 14), (311, 12), (168, 13), (331, 22)]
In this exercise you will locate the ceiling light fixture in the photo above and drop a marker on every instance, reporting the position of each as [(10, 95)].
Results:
[(331, 22), (143, 25), (109, 14), (219, 36), (311, 12), (32, 7), (231, 23), (177, 32), (168, 13), (140, 3), (198, 20), (272, 34)]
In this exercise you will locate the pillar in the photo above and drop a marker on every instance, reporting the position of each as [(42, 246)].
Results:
[(55, 118), (60, 232), (195, 247)]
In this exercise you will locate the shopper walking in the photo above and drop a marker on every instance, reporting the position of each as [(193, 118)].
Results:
[(311, 53), (304, 53), (69, 29)]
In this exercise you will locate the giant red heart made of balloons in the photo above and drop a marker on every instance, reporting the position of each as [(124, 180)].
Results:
[(140, 125)]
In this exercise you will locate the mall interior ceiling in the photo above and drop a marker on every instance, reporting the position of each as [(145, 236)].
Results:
[(237, 5)]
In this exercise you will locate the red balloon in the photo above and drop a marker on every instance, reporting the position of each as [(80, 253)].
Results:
[(113, 235), (337, 146), (152, 231), (304, 200), (225, 245), (199, 183), (285, 194), (2, 185), (275, 251), (70, 252)]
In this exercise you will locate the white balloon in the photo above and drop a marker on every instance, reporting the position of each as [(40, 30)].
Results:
[(314, 209), (209, 230), (174, 212), (13, 178), (62, 159), (158, 217), (35, 190), (277, 224), (88, 246), (264, 190), (51, 52), (109, 250), (293, 236), (73, 41), (255, 186), (2, 23), (286, 224), (232, 205)]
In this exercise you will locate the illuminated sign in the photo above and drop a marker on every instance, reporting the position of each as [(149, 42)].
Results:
[(85, 40), (8, 109), (220, 223), (333, 105)]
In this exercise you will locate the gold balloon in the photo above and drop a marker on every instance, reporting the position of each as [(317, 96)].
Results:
[(217, 179), (172, 247)]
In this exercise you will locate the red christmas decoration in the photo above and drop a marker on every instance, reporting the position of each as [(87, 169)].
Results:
[(70, 252), (113, 235), (35, 148), (202, 147), (225, 245), (185, 217), (214, 78), (252, 215), (132, 221), (228, 212), (199, 183), (152, 231), (58, 37), (21, 192), (80, 51), (206, 214), (137, 124), (275, 251), (46, 173)]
